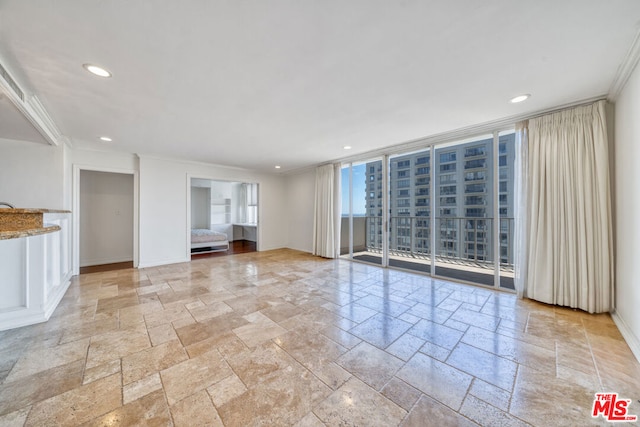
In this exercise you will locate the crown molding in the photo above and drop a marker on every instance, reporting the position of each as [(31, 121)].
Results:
[(625, 69), (32, 109), (472, 131), (41, 119), (191, 162)]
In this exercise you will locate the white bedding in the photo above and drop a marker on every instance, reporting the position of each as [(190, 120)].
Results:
[(203, 235)]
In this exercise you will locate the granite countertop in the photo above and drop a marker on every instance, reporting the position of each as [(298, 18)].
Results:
[(24, 222), (6, 235), (31, 210)]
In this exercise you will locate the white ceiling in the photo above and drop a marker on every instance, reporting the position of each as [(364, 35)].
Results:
[(255, 83)]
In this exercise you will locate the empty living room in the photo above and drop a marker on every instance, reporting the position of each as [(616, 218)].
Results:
[(318, 213)]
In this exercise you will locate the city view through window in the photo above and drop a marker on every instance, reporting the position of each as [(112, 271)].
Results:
[(466, 205)]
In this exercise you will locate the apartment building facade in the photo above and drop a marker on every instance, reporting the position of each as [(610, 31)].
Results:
[(464, 201)]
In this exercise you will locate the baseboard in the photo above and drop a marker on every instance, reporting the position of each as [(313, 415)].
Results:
[(21, 317), (306, 250), (102, 261), (56, 297), (163, 262), (26, 316), (632, 340)]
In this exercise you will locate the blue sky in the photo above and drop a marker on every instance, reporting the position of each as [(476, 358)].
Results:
[(359, 184)]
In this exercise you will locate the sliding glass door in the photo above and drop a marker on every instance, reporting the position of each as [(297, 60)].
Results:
[(464, 210), (446, 210), (409, 211), (506, 200), (362, 211)]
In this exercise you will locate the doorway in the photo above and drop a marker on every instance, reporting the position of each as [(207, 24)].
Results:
[(223, 217), (105, 226)]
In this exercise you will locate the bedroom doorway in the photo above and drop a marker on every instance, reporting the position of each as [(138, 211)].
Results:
[(223, 217)]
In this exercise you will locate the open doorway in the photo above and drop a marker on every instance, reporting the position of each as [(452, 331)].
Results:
[(223, 217), (106, 221)]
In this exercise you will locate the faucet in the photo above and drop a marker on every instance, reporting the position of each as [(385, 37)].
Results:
[(7, 204)]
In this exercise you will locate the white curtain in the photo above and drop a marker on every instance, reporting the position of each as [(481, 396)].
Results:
[(242, 207), (326, 218), (521, 193), (569, 259), (251, 203)]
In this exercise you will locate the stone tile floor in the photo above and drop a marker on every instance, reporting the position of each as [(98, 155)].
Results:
[(282, 338)]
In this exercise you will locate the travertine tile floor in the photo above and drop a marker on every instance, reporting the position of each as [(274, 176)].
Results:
[(283, 338)]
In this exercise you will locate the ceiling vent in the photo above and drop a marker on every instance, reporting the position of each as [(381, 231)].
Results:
[(12, 83)]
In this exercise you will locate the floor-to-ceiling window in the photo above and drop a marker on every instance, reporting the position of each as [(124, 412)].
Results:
[(409, 211), (506, 179), (362, 211), (446, 210), (464, 210)]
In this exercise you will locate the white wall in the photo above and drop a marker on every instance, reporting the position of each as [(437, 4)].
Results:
[(163, 207), (32, 175), (627, 211), (200, 207), (67, 177), (35, 175), (104, 159), (300, 204), (106, 218)]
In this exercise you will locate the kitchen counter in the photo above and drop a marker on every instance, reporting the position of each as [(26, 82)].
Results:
[(16, 234), (31, 210), (35, 261), (21, 222)]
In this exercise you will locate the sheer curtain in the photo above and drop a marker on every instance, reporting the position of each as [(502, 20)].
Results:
[(248, 203), (569, 248), (520, 206), (242, 206), (251, 199), (326, 218)]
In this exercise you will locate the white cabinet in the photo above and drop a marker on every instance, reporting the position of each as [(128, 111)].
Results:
[(36, 272), (220, 190), (220, 211)]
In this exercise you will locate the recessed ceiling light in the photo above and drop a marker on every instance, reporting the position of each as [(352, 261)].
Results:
[(347, 147), (520, 98), (277, 167), (105, 139), (98, 71)]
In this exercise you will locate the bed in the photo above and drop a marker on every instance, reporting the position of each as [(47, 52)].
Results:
[(205, 240)]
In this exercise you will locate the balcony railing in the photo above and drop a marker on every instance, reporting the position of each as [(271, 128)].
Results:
[(459, 240)]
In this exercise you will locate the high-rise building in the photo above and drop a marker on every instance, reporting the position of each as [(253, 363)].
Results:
[(373, 203), (464, 201)]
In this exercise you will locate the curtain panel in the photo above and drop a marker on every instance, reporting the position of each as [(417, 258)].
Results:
[(568, 256), (242, 206), (326, 218), (520, 205)]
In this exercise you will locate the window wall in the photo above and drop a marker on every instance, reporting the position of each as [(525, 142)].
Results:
[(506, 208), (362, 211), (409, 211), (448, 210), (464, 213)]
